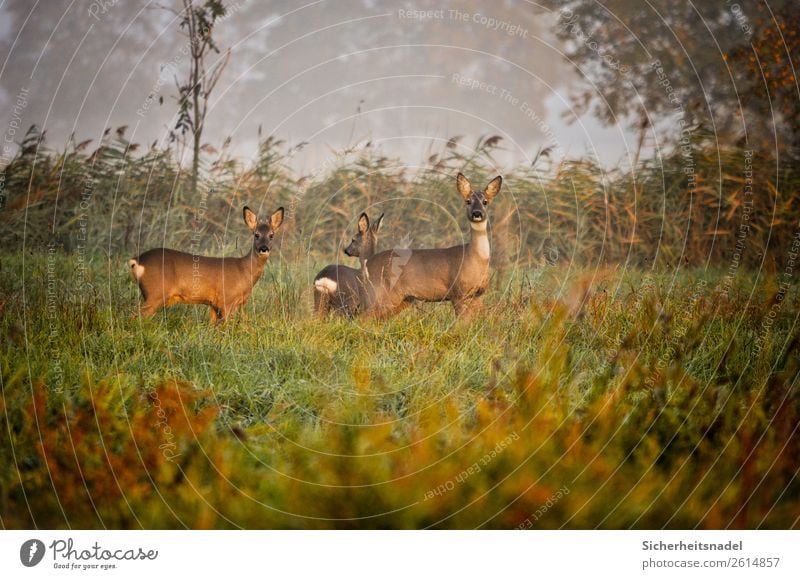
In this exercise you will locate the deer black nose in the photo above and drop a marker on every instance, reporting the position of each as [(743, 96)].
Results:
[(477, 214), (263, 249)]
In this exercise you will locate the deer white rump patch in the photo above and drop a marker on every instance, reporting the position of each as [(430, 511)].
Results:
[(136, 269), (326, 285)]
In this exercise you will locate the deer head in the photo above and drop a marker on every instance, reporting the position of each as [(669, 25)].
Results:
[(477, 201), (366, 238), (263, 231)]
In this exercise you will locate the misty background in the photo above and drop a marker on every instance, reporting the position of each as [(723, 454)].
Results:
[(403, 76)]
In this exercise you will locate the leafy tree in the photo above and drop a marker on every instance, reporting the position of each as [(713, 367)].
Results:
[(197, 23), (720, 69)]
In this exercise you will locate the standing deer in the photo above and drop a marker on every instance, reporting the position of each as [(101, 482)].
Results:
[(457, 274), (343, 289), (168, 277)]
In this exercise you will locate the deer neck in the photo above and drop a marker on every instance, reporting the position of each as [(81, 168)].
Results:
[(253, 265), (479, 240), (368, 252)]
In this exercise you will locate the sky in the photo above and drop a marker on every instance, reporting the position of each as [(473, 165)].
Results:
[(405, 76)]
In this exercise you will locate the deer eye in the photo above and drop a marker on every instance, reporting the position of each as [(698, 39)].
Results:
[(258, 235), (271, 235), (485, 202)]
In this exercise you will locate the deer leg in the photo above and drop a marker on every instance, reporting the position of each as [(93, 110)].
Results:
[(467, 307), (389, 308), (149, 308), (377, 311), (214, 314), (227, 311), (321, 303), (401, 306), (378, 304)]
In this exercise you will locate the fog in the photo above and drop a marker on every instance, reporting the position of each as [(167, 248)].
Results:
[(333, 74)]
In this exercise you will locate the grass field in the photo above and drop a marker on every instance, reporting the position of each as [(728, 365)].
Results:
[(581, 398), (636, 364)]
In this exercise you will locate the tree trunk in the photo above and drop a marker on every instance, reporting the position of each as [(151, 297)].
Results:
[(197, 132)]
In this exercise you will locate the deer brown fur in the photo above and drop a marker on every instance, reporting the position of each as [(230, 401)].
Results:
[(458, 274), (341, 289), (167, 277)]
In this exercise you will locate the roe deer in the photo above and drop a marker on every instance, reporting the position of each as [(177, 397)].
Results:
[(168, 277), (342, 289), (457, 274)]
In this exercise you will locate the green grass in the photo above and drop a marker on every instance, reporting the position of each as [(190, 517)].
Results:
[(654, 399)]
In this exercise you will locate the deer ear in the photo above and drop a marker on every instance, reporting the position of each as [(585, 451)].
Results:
[(493, 188), (463, 186), (276, 219), (363, 223), (250, 218), (377, 225)]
